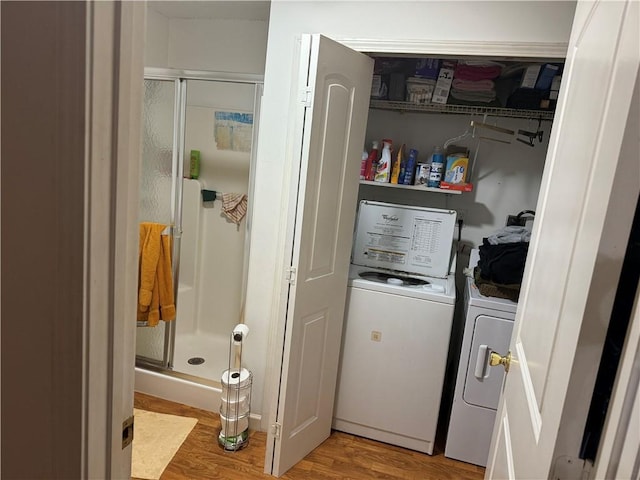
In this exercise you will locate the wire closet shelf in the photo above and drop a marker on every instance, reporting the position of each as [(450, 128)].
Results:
[(461, 110)]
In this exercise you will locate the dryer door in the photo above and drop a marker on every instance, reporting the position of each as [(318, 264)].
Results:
[(483, 384)]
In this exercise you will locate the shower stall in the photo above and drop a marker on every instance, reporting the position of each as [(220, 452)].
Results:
[(217, 115)]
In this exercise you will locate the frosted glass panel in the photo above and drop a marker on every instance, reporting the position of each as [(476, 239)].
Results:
[(157, 151), (155, 184)]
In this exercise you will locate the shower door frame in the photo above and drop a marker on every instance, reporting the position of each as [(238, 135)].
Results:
[(180, 78)]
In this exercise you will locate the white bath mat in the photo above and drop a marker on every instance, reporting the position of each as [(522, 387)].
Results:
[(156, 439)]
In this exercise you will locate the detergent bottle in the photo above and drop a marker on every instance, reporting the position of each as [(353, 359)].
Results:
[(383, 172), (372, 161)]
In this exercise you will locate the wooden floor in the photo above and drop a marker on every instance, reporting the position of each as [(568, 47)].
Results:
[(341, 456)]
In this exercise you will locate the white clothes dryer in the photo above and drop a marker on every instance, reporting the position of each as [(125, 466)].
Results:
[(397, 327), (488, 327)]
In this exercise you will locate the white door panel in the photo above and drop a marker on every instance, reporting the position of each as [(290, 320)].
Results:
[(568, 162), (337, 100), (501, 457), (567, 241)]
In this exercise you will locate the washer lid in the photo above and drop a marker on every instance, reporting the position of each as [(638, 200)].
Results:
[(392, 278), (442, 290)]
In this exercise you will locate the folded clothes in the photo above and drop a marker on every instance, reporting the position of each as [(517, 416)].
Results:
[(498, 290), (473, 72), (482, 97), (503, 263), (473, 85), (510, 234)]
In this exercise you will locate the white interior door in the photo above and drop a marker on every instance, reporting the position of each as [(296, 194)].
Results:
[(583, 179), (335, 84)]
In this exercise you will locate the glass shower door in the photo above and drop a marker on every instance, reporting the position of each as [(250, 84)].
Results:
[(158, 194)]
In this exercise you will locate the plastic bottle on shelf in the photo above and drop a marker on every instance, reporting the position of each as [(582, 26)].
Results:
[(383, 172), (437, 165), (410, 167), (363, 165), (194, 164), (396, 166), (372, 162)]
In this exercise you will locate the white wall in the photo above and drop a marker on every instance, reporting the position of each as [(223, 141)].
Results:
[(513, 22), (506, 177), (221, 45), (156, 41)]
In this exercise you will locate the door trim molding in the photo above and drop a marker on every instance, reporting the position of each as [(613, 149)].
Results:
[(157, 73), (552, 50), (113, 79)]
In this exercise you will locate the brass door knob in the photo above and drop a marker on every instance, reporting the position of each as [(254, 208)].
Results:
[(497, 359)]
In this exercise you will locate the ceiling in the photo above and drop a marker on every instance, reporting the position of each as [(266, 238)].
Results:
[(225, 10)]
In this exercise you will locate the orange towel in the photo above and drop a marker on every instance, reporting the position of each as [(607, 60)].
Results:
[(165, 282), (148, 256), (155, 292)]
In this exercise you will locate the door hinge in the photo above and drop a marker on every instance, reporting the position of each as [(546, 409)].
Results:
[(305, 96), (127, 432), (291, 275), (275, 430)]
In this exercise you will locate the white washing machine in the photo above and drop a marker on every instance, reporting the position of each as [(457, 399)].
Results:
[(397, 325), (488, 327)]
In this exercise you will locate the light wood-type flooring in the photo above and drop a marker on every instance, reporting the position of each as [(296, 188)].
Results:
[(341, 456)]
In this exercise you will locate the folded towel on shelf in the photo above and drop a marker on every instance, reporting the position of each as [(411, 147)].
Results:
[(477, 72), (478, 96), (473, 85), (234, 206), (155, 290)]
